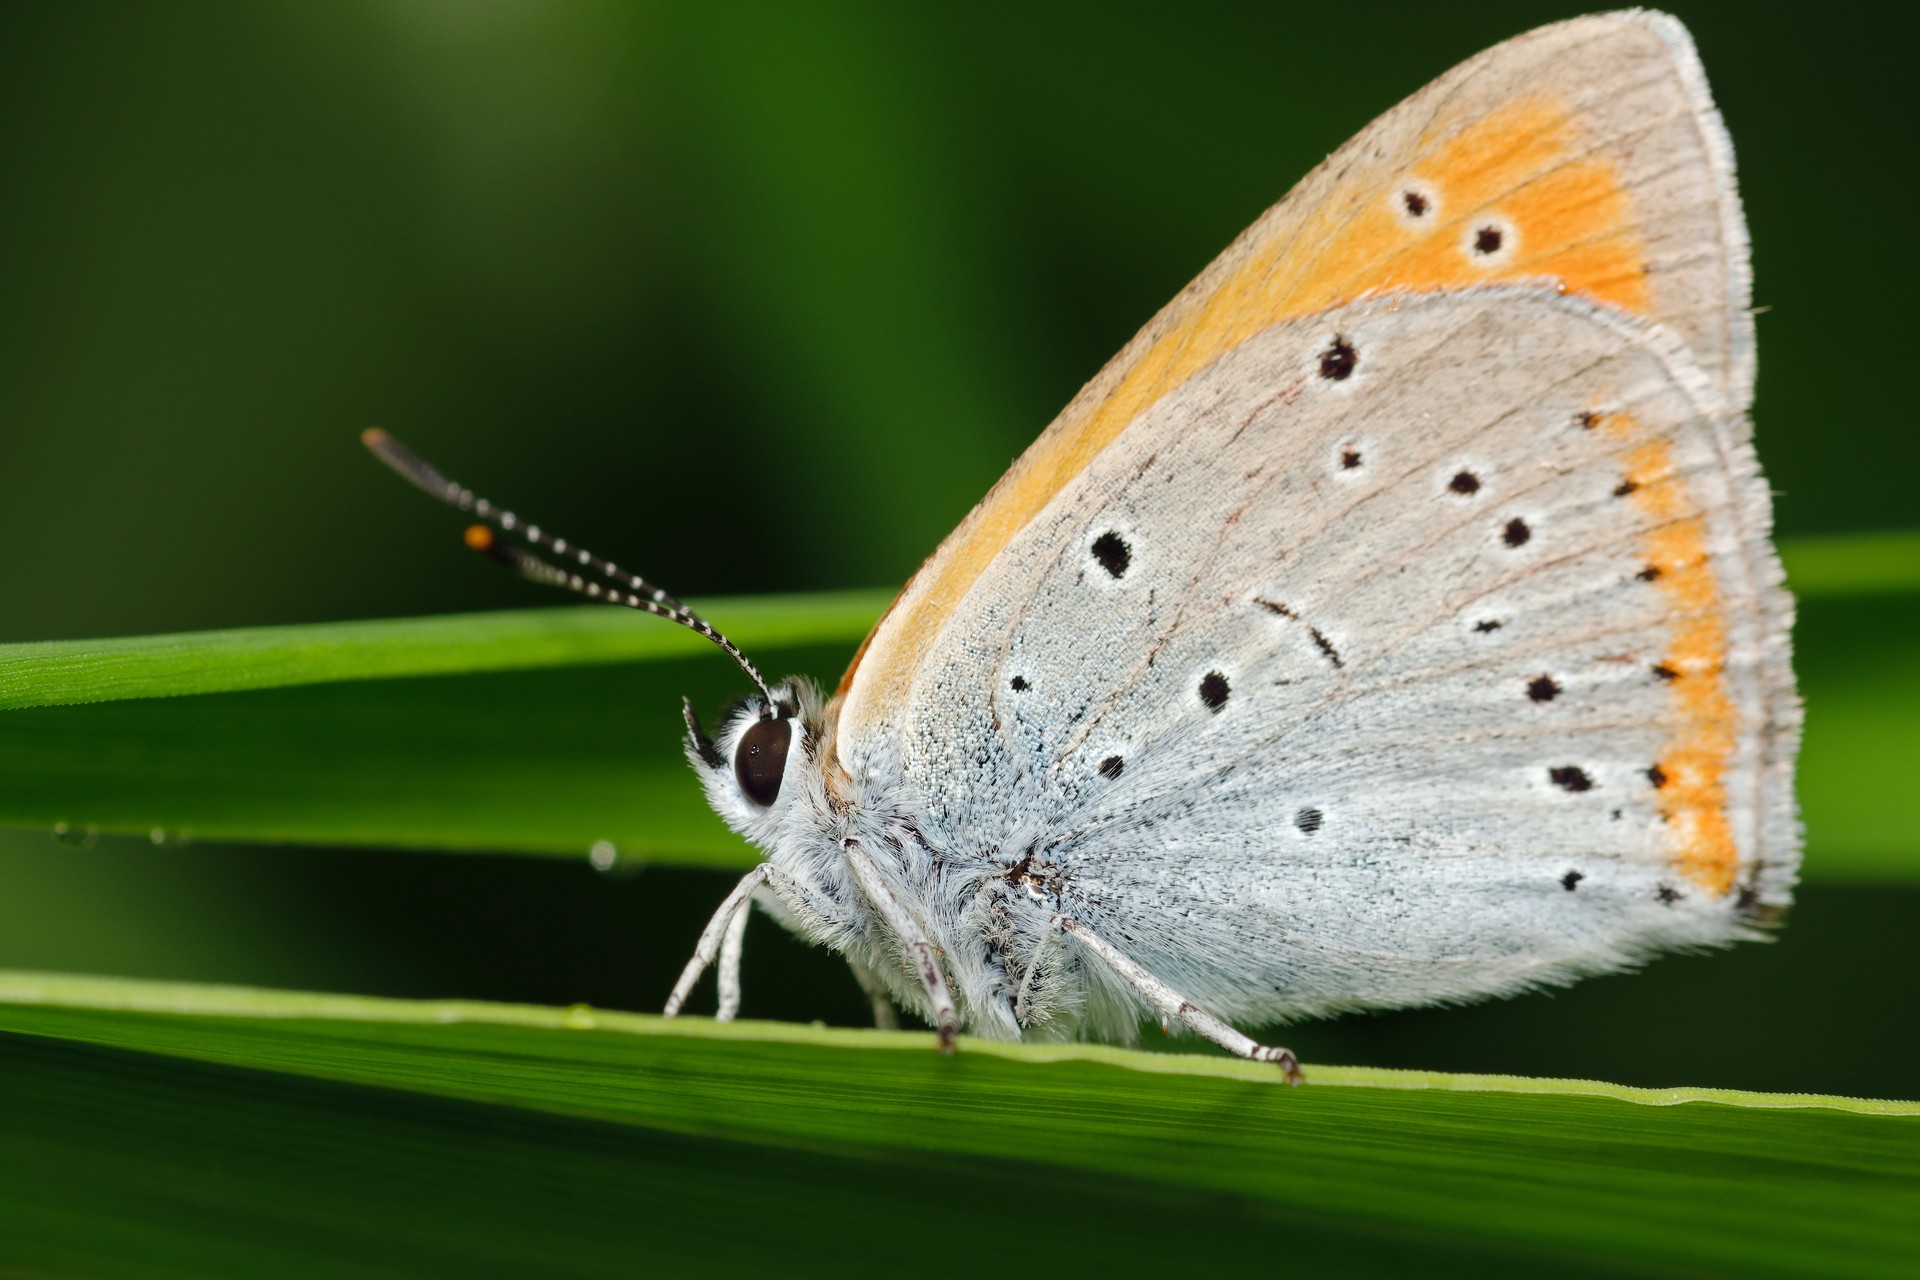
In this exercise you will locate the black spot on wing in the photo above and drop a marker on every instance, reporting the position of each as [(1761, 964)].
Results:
[(1569, 777), (1113, 553), (1320, 640), (1337, 361), (1326, 646)]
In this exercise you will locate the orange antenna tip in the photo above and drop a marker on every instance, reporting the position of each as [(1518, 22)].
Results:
[(585, 572)]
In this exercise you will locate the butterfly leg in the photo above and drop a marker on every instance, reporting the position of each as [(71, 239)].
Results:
[(1171, 1004), (884, 1018), (1033, 967), (713, 939), (913, 939), (731, 945)]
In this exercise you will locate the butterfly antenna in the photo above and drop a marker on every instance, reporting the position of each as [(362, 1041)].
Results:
[(582, 572)]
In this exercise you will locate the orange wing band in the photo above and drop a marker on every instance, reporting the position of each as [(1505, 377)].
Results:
[(1691, 772), (1560, 218)]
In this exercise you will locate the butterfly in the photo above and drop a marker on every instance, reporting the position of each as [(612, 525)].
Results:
[(1393, 621)]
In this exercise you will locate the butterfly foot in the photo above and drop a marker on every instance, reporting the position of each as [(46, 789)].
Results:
[(1283, 1058), (948, 1034)]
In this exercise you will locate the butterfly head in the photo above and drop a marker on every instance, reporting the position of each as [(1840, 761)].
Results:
[(761, 757)]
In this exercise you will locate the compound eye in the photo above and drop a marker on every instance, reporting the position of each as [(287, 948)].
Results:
[(760, 761)]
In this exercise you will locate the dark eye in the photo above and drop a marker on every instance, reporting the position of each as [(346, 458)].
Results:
[(760, 760)]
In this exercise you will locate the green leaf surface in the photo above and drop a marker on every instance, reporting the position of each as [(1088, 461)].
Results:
[(288, 1133), (68, 672), (1861, 564), (557, 731), (546, 731)]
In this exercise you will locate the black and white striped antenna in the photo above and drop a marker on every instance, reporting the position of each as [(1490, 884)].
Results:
[(583, 572)]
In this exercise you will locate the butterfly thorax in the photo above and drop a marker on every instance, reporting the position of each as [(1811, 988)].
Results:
[(990, 911)]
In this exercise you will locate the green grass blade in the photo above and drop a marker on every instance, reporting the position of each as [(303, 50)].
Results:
[(311, 735), (140, 1090), (1860, 564), (550, 762), (23, 988), (67, 672)]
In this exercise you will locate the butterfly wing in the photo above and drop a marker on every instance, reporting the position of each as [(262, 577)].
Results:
[(1586, 156), (1427, 648)]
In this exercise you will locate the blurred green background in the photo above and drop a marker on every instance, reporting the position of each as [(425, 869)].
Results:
[(761, 298)]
